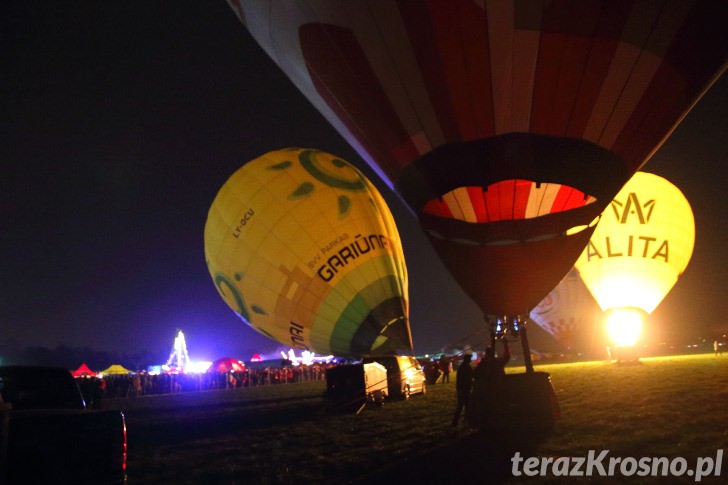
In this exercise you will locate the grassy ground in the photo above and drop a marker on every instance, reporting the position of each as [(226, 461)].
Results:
[(670, 406)]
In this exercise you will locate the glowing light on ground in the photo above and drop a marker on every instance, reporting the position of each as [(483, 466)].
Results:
[(198, 367), (624, 326)]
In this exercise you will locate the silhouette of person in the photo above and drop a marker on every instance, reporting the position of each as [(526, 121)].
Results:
[(445, 367), (463, 387), (492, 367), (97, 392), (488, 378)]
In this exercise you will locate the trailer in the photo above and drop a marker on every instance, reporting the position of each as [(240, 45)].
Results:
[(350, 387)]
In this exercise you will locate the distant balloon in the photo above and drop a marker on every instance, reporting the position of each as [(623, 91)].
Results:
[(504, 125), (568, 311), (641, 246), (305, 250)]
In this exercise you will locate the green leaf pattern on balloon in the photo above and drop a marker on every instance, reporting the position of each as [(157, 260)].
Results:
[(344, 206), (303, 190), (308, 161), (258, 310), (280, 166), (225, 284)]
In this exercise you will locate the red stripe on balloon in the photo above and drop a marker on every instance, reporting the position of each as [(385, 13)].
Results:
[(419, 28), (437, 207), (567, 198), (493, 202), (371, 118), (462, 36), (520, 200), (606, 35), (652, 118)]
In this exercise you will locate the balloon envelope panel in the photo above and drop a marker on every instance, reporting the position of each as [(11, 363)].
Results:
[(304, 249), (401, 78), (568, 311), (461, 106), (641, 245)]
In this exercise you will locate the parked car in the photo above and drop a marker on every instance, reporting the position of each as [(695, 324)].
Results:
[(48, 436), (405, 375)]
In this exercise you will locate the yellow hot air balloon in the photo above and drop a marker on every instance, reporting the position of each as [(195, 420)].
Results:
[(640, 247), (305, 250)]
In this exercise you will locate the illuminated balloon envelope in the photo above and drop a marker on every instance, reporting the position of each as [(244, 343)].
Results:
[(641, 245), (502, 124), (568, 311), (304, 249)]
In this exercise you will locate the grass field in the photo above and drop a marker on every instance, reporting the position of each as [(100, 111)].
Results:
[(659, 407)]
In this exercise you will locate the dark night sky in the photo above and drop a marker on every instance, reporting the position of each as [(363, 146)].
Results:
[(121, 120)]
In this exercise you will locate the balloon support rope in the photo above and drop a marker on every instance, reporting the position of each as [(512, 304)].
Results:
[(526, 349)]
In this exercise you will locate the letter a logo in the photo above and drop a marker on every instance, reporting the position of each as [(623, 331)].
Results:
[(643, 212)]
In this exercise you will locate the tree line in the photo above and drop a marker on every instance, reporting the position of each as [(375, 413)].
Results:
[(72, 357)]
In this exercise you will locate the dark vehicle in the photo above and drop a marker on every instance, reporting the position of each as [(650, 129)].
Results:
[(404, 375), (351, 387), (48, 436)]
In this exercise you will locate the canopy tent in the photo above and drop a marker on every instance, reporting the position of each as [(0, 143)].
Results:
[(227, 364), (83, 371), (115, 369)]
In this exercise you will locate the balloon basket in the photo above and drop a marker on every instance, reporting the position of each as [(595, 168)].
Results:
[(521, 402)]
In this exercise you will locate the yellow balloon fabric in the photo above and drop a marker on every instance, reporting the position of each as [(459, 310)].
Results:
[(641, 245), (305, 250)]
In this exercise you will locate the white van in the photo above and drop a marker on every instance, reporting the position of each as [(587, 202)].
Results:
[(404, 375)]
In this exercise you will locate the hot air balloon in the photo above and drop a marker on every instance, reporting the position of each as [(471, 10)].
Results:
[(305, 250), (568, 312), (640, 247), (506, 126)]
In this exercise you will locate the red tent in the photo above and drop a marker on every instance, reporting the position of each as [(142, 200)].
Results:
[(227, 364), (83, 371)]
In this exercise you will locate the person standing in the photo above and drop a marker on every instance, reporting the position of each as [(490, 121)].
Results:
[(493, 367), (463, 387), (445, 367)]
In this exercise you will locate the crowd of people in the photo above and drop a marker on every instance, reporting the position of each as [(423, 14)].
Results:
[(94, 388), (143, 384)]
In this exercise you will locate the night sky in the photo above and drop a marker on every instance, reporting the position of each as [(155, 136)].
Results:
[(121, 120)]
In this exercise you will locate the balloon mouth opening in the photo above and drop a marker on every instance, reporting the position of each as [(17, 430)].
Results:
[(513, 199), (385, 330), (502, 210)]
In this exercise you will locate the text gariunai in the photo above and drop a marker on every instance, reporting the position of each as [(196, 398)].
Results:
[(360, 246)]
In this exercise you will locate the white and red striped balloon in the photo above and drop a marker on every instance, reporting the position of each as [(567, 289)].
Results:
[(524, 115)]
